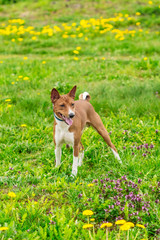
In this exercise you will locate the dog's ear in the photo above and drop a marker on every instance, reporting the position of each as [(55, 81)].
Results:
[(54, 95), (72, 92)]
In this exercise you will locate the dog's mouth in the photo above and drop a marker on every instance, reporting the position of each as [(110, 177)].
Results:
[(68, 121)]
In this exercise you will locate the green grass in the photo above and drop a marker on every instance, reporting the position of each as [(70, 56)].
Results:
[(122, 77)]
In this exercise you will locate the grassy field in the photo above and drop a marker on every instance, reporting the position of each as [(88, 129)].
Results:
[(110, 49)]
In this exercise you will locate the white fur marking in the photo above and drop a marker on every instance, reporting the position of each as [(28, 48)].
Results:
[(74, 166), (62, 134), (70, 111), (58, 152), (116, 155), (80, 158), (85, 95)]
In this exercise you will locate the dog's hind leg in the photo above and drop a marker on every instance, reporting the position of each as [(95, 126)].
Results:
[(96, 122)]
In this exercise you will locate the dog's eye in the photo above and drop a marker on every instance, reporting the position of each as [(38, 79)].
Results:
[(62, 105), (72, 104)]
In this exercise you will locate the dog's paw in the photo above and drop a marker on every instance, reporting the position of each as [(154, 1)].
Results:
[(74, 173), (57, 165)]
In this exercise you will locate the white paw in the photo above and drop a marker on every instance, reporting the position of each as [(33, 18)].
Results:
[(57, 164), (116, 156), (74, 172)]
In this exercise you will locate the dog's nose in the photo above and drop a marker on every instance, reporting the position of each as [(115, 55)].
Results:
[(71, 115)]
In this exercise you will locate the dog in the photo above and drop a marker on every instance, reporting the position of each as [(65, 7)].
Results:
[(71, 117)]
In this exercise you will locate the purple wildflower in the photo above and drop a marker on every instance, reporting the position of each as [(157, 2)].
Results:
[(151, 146)]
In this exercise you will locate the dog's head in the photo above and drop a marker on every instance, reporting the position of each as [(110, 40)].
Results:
[(63, 106)]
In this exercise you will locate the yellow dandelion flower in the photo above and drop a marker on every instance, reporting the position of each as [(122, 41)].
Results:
[(8, 100), (76, 58), (73, 24), (131, 119), (87, 226), (121, 38), (119, 222), (103, 58), (35, 202), (26, 78), (80, 35), (38, 93), (145, 58), (138, 13), (76, 52), (87, 213), (23, 125), (125, 227), (140, 225), (130, 224), (104, 225), (126, 15), (86, 38), (138, 23), (43, 62), (13, 40), (34, 38), (12, 83), (9, 106), (78, 48), (150, 2), (3, 228), (20, 76), (65, 36), (90, 185), (1, 61), (20, 39), (12, 194), (92, 219), (73, 36), (140, 30), (25, 58)]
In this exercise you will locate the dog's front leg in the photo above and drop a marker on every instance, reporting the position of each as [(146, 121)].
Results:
[(58, 153), (75, 160)]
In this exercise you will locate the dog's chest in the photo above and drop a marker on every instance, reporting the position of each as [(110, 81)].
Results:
[(62, 134)]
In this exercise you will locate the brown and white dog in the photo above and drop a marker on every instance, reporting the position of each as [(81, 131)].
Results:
[(71, 117)]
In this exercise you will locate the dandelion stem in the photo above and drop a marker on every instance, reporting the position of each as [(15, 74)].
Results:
[(106, 233), (90, 235), (136, 235), (128, 235), (118, 235)]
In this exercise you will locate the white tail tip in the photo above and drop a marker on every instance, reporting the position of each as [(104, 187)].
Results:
[(84, 96)]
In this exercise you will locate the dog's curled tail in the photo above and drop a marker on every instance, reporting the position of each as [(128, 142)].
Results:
[(84, 96)]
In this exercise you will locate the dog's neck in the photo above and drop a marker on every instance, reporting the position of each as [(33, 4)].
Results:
[(58, 118)]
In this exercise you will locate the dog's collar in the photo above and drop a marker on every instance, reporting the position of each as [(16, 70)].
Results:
[(58, 118)]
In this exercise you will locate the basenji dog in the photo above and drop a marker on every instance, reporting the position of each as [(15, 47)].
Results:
[(71, 117)]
